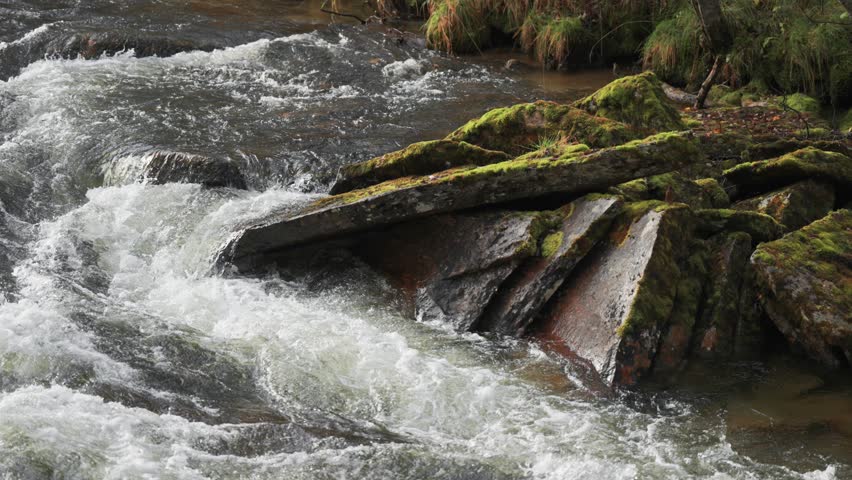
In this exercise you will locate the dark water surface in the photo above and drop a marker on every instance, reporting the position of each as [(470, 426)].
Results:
[(120, 357)]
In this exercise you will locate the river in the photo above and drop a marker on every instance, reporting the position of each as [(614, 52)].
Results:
[(121, 356)]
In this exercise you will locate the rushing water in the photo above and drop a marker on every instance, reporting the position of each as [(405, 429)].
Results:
[(121, 357)]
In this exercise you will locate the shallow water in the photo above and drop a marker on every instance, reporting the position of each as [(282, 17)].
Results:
[(121, 357)]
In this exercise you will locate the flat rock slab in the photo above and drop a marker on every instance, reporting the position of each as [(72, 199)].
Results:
[(581, 224), (613, 307), (451, 265), (458, 189), (794, 206), (420, 158), (805, 282)]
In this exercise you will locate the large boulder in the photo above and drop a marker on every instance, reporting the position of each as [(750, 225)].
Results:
[(525, 126), (580, 225), (451, 265), (404, 199), (674, 187), (161, 167), (794, 206), (805, 285), (420, 158), (613, 308), (763, 176), (637, 100)]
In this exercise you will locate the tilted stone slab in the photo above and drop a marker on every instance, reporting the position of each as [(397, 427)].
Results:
[(613, 307), (457, 189), (451, 265), (420, 158), (761, 227), (161, 167), (581, 224), (805, 285), (794, 206)]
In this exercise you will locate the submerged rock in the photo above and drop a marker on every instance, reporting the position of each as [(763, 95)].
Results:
[(525, 126), (794, 206), (763, 176), (637, 100), (420, 158), (175, 167), (805, 285), (451, 265), (457, 189), (611, 311), (580, 225)]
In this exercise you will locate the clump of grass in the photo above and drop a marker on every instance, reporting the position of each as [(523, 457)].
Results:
[(457, 26)]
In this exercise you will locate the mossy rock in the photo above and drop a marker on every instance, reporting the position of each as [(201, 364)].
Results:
[(524, 127), (761, 227), (714, 195), (637, 100), (420, 158), (805, 285), (612, 309), (716, 329), (672, 187), (801, 103), (762, 176), (460, 188), (794, 206), (725, 95)]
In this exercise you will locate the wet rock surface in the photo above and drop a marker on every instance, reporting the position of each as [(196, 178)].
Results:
[(162, 167), (612, 310), (805, 282)]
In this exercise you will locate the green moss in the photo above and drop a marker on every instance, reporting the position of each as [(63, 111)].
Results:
[(714, 195), (690, 122), (420, 158), (813, 133), (638, 101), (761, 227), (805, 163), (801, 103), (551, 244), (654, 301), (517, 128)]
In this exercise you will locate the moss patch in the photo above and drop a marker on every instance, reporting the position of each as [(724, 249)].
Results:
[(519, 128), (638, 101)]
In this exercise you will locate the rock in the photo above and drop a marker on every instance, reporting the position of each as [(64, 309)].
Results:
[(638, 101), (765, 150), (713, 194), (762, 176), (612, 309), (94, 44), (671, 187), (716, 329), (457, 189), (417, 159), (678, 96), (581, 224), (451, 265), (761, 227), (163, 167), (675, 341), (794, 206), (805, 285), (801, 103), (517, 128)]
